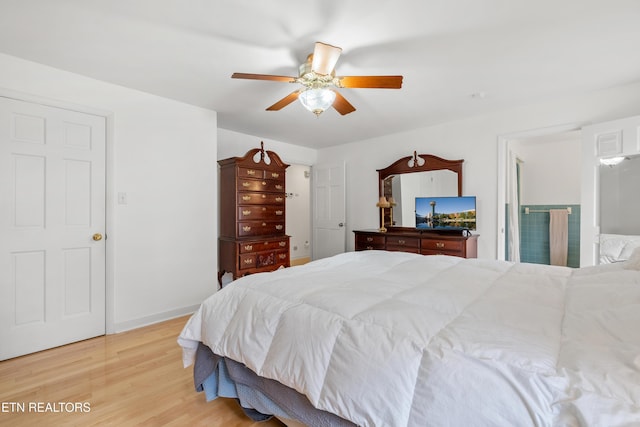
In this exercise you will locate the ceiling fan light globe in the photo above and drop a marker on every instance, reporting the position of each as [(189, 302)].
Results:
[(317, 100)]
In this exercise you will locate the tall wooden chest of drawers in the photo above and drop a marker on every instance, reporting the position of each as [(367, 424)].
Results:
[(252, 214)]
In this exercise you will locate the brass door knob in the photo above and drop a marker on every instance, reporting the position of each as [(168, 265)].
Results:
[(97, 237)]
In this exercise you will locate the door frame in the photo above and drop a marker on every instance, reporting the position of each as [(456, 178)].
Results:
[(503, 155), (109, 186)]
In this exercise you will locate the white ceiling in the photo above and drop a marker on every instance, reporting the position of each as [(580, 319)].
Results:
[(514, 51)]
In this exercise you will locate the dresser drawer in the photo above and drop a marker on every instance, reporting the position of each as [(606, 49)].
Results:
[(260, 228), (278, 175), (365, 241), (261, 199), (244, 172), (441, 245), (246, 247), (268, 212), (263, 259), (411, 250), (270, 185), (250, 173), (402, 243)]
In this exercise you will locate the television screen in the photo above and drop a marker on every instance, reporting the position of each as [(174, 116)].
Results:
[(446, 213)]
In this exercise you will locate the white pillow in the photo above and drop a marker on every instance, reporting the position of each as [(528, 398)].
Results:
[(633, 263)]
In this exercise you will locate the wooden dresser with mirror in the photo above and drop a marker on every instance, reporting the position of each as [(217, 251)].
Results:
[(398, 186)]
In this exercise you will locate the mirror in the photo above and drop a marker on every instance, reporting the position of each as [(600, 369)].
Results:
[(618, 197), (404, 188), (414, 176), (619, 227)]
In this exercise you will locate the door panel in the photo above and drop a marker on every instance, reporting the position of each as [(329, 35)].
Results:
[(329, 225), (52, 190)]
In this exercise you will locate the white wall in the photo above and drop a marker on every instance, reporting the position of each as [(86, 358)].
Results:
[(161, 247), (551, 170), (299, 210), (232, 144), (473, 139)]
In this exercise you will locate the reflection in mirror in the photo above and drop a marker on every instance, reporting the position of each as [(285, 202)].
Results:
[(413, 176), (402, 190), (619, 201)]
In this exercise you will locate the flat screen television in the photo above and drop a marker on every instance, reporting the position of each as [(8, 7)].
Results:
[(446, 213)]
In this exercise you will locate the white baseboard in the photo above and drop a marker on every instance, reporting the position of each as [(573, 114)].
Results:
[(150, 320)]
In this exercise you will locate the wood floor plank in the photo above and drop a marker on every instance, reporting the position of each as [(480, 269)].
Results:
[(134, 378)]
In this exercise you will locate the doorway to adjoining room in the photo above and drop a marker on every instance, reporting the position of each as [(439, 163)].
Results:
[(542, 203)]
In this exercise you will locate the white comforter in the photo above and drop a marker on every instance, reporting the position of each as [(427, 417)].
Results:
[(395, 339)]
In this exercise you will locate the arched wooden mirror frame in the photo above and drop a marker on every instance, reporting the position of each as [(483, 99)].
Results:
[(412, 164)]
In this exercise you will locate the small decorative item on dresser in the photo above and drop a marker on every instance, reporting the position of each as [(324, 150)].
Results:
[(252, 214), (383, 203)]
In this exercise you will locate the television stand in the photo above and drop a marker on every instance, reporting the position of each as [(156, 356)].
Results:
[(424, 242)]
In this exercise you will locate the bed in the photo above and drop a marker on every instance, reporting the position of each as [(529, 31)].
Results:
[(378, 338), (617, 247)]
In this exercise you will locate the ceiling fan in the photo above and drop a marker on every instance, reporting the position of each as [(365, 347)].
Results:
[(317, 76)]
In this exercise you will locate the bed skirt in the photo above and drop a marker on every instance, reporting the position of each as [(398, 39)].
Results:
[(260, 398)]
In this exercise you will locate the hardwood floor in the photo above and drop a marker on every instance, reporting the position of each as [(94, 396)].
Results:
[(128, 379)]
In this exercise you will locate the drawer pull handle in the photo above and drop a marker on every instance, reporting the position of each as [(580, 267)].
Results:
[(369, 247), (264, 183), (264, 196), (279, 199), (439, 245), (282, 256), (369, 239), (246, 184), (264, 224), (279, 187), (246, 228), (248, 247), (401, 242), (278, 212), (246, 198), (275, 174), (251, 172), (246, 213), (282, 244), (248, 261), (278, 227)]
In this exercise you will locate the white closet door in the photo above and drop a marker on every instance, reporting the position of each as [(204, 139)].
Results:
[(52, 191), (329, 212)]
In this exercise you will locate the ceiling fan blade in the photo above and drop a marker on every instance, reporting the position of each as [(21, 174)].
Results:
[(341, 105), (325, 57), (379, 82), (263, 77), (285, 101)]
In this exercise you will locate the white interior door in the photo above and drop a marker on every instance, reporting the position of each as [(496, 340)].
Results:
[(52, 190), (329, 214)]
